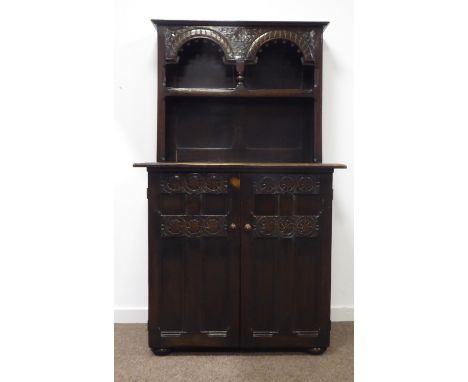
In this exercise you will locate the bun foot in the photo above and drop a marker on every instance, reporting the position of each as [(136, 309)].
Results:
[(316, 350), (160, 351)]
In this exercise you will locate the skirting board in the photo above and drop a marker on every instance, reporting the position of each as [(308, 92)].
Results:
[(140, 315)]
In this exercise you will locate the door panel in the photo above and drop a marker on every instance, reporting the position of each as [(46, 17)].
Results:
[(193, 260), (285, 273)]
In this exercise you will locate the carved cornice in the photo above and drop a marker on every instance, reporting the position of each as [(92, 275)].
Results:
[(193, 226), (242, 43), (286, 226), (194, 184), (294, 184)]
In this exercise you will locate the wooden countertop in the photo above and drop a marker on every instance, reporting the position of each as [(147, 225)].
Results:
[(319, 167)]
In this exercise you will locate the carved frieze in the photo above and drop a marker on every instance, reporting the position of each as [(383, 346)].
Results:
[(193, 226), (215, 333), (287, 184), (194, 184), (242, 43), (179, 333), (172, 333), (264, 333), (286, 226)]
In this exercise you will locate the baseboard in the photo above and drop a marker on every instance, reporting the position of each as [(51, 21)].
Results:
[(342, 313), (140, 315), (130, 315)]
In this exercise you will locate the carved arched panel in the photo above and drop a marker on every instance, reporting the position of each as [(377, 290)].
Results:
[(178, 39), (200, 63), (278, 64), (241, 43), (300, 40)]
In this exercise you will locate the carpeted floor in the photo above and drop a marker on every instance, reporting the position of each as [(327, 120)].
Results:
[(134, 361)]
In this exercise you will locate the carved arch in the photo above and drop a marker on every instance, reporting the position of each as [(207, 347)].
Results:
[(304, 44), (180, 39)]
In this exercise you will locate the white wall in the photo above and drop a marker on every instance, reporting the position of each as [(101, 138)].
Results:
[(135, 138)]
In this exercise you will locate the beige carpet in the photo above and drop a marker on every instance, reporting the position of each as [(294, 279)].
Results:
[(134, 361)]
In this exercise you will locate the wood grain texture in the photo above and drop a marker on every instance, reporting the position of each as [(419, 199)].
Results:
[(194, 264)]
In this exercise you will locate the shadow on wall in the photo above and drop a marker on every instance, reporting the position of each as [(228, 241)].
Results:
[(136, 96), (135, 99), (332, 91), (337, 116)]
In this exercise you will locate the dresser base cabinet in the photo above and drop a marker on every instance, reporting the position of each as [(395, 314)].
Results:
[(239, 259)]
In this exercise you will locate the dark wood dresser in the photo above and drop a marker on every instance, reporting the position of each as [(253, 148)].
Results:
[(239, 201)]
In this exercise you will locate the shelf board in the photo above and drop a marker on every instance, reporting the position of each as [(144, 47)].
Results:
[(239, 92), (241, 166)]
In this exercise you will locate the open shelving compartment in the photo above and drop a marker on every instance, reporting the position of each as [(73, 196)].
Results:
[(266, 109)]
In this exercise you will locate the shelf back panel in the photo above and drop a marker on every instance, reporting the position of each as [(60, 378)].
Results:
[(200, 65), (239, 130), (279, 66)]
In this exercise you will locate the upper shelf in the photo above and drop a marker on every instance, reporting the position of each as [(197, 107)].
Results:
[(239, 92), (279, 65)]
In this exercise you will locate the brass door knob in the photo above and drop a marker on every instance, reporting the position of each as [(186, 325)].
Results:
[(235, 182), (232, 226), (247, 227)]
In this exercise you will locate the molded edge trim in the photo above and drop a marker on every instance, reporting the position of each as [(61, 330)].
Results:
[(312, 24), (241, 166)]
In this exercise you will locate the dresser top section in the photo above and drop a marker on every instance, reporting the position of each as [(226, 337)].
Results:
[(310, 24), (239, 91)]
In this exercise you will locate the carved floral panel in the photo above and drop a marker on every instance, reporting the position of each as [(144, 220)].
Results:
[(193, 226), (294, 184), (194, 184), (286, 226)]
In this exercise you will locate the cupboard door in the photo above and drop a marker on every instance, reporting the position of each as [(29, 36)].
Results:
[(285, 271), (193, 260)]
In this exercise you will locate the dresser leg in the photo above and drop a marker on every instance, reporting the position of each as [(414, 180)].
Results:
[(160, 351), (316, 350)]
